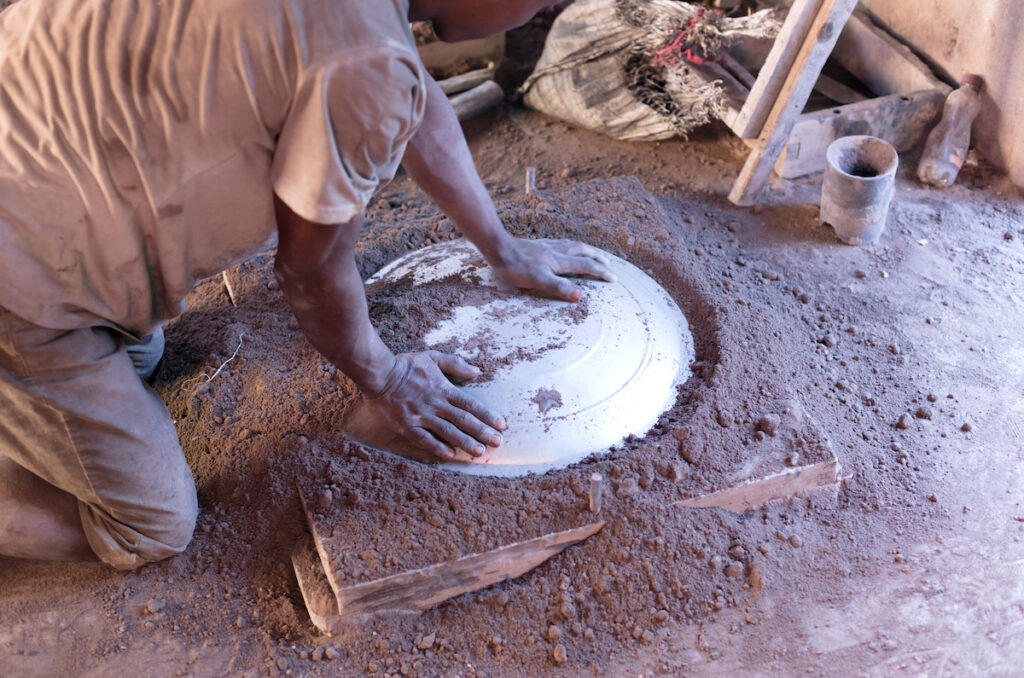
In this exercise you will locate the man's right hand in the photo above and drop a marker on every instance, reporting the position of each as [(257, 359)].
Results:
[(422, 406)]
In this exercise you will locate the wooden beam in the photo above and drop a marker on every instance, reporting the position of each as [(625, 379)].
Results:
[(751, 118), (883, 63), (791, 100), (903, 120), (330, 604)]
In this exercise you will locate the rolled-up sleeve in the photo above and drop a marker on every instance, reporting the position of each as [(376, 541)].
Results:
[(346, 132)]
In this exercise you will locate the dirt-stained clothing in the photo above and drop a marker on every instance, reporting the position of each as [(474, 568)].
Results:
[(141, 140), (141, 143)]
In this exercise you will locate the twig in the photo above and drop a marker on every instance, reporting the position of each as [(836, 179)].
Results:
[(595, 493), (227, 286), (531, 180), (237, 349)]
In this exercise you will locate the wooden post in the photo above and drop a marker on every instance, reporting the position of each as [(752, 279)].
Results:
[(595, 493), (792, 98)]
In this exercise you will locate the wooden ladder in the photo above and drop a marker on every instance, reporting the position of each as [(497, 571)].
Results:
[(767, 112)]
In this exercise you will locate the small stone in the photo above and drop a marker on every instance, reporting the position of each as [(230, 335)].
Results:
[(318, 654), (923, 412), (646, 637), (323, 498), (903, 422), (932, 397), (859, 274), (965, 427), (795, 541), (330, 654), (553, 633), (758, 436), (282, 663), (154, 606), (627, 488), (272, 285), (769, 423), (427, 641), (932, 498), (558, 654), (661, 616), (675, 471), (588, 634), (793, 459), (755, 578), (894, 349), (734, 570), (830, 340), (1008, 235), (689, 452), (724, 419)]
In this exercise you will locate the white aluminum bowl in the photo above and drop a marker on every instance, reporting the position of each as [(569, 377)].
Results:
[(591, 382)]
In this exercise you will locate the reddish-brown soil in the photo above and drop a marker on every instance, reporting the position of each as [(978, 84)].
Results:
[(907, 355)]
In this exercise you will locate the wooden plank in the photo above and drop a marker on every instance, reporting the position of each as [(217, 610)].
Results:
[(775, 488), (903, 120), (321, 602), (791, 100), (330, 605), (751, 118), (883, 63), (419, 590)]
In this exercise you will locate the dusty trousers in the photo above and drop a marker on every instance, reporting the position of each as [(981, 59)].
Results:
[(75, 412)]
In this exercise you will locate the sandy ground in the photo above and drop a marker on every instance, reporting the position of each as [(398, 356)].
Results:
[(906, 355)]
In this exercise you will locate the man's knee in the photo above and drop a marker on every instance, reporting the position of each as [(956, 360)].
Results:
[(129, 537)]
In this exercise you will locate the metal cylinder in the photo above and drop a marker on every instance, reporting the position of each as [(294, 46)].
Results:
[(860, 174)]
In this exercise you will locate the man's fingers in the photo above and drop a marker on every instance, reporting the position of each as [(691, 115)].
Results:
[(427, 441), (454, 366), (580, 265), (560, 288), (579, 249), (468, 403), (450, 434), (473, 426)]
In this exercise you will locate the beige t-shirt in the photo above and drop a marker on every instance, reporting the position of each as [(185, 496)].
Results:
[(141, 141)]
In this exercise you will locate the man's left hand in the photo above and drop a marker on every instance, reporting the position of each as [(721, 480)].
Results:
[(539, 264)]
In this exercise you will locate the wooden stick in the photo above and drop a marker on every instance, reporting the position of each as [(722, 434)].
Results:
[(791, 100), (227, 286), (595, 493)]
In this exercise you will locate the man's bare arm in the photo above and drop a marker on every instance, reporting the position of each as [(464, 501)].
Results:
[(438, 159), (316, 269)]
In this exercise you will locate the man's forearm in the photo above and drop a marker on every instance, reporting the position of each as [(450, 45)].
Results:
[(316, 272), (438, 159)]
